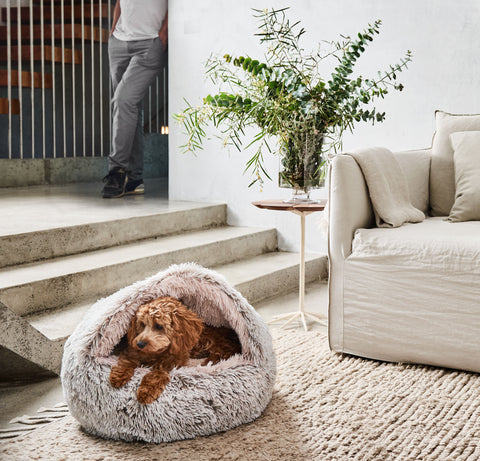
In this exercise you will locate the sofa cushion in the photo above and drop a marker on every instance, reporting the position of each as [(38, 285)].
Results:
[(442, 177), (435, 244), (466, 145), (411, 294)]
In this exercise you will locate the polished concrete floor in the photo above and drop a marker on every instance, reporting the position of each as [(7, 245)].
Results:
[(26, 400), (29, 209)]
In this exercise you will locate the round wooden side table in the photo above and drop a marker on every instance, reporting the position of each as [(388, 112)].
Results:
[(302, 210)]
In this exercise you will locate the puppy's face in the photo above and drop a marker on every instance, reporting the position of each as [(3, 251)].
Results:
[(164, 323), (151, 328)]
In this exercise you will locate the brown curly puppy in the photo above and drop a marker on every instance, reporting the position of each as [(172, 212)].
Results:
[(215, 344), (163, 335)]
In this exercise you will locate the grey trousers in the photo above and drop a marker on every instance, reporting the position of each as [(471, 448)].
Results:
[(133, 67)]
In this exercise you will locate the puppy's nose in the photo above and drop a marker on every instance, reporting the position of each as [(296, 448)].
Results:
[(141, 344)]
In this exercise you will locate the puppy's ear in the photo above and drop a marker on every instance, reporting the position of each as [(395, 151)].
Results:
[(187, 328), (132, 330)]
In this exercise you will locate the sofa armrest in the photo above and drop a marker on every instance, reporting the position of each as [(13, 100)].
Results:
[(349, 206), (349, 209)]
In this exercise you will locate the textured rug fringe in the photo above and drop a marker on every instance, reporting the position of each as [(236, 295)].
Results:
[(26, 423)]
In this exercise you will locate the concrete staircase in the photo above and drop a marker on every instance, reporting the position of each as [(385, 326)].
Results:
[(50, 277)]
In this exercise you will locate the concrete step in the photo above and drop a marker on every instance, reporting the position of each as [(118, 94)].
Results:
[(257, 278), (51, 238), (62, 248), (23, 349), (273, 274), (54, 283)]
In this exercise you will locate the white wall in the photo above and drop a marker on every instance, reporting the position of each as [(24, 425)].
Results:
[(442, 34)]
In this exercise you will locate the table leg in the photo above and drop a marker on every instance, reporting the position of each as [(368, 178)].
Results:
[(291, 316), (301, 275)]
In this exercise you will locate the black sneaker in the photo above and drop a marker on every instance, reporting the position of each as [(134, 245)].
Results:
[(134, 187), (114, 183)]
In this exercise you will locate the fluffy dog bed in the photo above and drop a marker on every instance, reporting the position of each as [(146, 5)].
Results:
[(199, 400)]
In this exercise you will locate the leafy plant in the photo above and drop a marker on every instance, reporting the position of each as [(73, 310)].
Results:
[(286, 97)]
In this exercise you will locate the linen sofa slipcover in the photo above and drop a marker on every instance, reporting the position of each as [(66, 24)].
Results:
[(409, 294)]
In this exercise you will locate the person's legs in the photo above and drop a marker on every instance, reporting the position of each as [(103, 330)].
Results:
[(119, 59), (135, 168), (142, 68)]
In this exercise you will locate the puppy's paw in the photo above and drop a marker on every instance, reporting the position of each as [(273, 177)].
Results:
[(146, 395), (119, 376), (152, 386)]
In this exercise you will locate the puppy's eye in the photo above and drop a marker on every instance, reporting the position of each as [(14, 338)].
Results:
[(158, 327), (141, 325)]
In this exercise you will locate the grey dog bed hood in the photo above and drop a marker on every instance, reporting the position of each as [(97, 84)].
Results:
[(198, 400)]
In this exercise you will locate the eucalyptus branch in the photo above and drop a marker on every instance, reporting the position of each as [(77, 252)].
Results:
[(285, 97), (392, 74)]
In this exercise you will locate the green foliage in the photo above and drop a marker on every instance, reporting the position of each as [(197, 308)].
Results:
[(286, 97)]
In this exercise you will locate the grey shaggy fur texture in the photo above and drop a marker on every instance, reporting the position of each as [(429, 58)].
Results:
[(199, 400)]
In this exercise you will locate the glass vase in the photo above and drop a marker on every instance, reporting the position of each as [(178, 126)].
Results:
[(302, 167)]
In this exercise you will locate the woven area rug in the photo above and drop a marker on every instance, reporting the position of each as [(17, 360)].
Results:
[(325, 407)]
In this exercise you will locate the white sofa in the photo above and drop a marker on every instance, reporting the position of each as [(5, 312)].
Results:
[(410, 293)]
